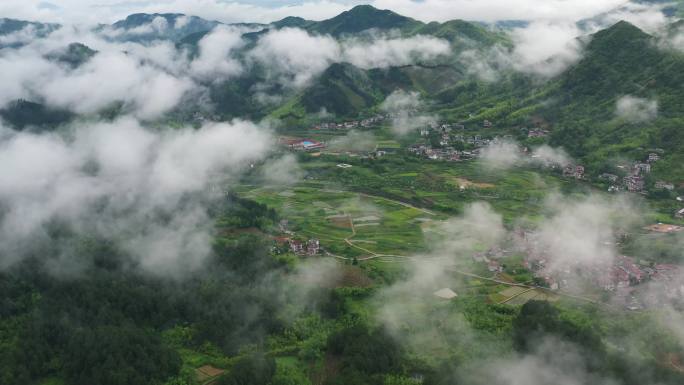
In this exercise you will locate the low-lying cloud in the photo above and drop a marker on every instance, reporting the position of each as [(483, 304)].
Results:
[(294, 53), (215, 61), (354, 141), (542, 48), (256, 11), (384, 52), (636, 110), (294, 56), (582, 233), (406, 111), (146, 188), (505, 154)]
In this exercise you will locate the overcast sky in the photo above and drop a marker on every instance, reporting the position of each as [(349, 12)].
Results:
[(92, 11)]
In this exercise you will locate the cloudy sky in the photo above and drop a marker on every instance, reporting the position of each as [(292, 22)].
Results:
[(92, 11)]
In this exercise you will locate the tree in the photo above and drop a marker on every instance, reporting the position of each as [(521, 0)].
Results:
[(124, 355), (538, 319), (255, 369)]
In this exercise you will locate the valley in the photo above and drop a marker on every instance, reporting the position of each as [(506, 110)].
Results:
[(327, 193)]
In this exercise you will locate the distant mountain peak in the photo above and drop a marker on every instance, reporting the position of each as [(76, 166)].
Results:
[(365, 8), (142, 26), (622, 34), (292, 22), (623, 28), (369, 10), (364, 17)]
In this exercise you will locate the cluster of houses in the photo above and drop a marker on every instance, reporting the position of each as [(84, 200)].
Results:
[(490, 257), (635, 181), (574, 171), (537, 133), (302, 248), (348, 125), (448, 154), (309, 248), (298, 144), (621, 276), (444, 131)]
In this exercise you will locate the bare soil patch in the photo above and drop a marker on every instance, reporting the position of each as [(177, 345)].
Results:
[(465, 183)]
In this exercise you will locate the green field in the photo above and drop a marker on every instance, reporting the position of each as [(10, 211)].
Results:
[(348, 224)]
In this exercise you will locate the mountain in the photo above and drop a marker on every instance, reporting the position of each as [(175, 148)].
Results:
[(346, 90), (457, 30), (8, 26), (168, 26), (578, 105), (342, 89), (362, 18), (74, 55), (22, 113), (16, 33), (292, 22), (669, 7), (621, 60)]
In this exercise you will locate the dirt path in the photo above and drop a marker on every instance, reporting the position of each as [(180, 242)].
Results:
[(517, 295), (408, 205)]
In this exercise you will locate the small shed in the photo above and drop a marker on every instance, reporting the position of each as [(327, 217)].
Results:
[(445, 293)]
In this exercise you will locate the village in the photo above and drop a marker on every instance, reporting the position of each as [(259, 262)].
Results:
[(632, 283), (450, 142), (351, 124)]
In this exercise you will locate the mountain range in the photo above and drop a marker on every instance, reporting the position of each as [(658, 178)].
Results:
[(577, 104)]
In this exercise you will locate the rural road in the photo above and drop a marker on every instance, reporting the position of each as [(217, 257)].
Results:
[(408, 205)]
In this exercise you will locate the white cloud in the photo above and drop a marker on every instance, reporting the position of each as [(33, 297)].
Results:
[(648, 17), (284, 170), (581, 233), (255, 11), (216, 60), (636, 109), (501, 155), (147, 80), (383, 52), (293, 55), (543, 48), (505, 154), (552, 362), (19, 74), (354, 141), (123, 181), (546, 48), (22, 36), (492, 10), (405, 110), (110, 77), (548, 156), (157, 25)]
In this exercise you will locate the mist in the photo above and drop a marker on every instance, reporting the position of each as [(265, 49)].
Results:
[(405, 110), (121, 180), (636, 110), (506, 154)]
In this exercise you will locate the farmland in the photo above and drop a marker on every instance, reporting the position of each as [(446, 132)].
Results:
[(349, 224)]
